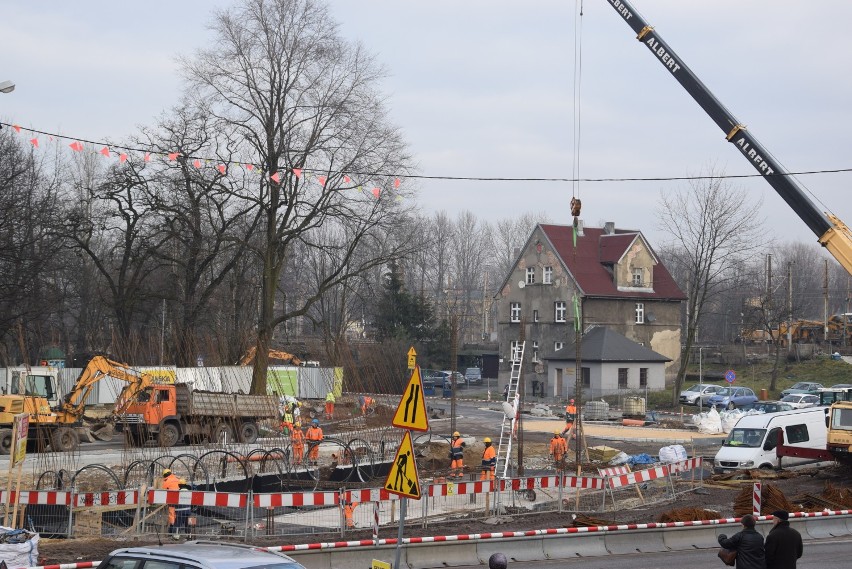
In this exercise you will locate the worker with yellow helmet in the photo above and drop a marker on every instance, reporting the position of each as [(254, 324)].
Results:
[(489, 460), (457, 456), (558, 448)]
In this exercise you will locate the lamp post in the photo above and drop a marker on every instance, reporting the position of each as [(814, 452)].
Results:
[(6, 86), (700, 380)]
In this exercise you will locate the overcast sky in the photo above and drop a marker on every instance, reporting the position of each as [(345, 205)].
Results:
[(484, 88)]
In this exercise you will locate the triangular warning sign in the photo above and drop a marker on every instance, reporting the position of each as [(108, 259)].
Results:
[(402, 478), (411, 411)]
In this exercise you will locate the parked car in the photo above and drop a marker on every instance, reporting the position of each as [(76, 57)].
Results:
[(199, 555), (732, 397), (801, 387), (767, 407), (801, 400), (841, 386), (473, 376), (447, 375), (700, 392)]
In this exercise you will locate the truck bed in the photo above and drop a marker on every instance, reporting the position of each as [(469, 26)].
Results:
[(211, 404)]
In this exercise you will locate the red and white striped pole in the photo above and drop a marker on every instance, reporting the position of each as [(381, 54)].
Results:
[(376, 522), (755, 499)]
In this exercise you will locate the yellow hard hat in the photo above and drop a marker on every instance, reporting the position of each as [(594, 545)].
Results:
[(556, 432), (486, 440), (181, 480), (456, 434), (166, 472)]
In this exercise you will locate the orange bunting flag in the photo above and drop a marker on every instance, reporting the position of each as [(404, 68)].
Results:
[(147, 157), (321, 180), (396, 183), (196, 163), (297, 172), (249, 167), (221, 168), (17, 128), (122, 157), (76, 146), (376, 192), (347, 179), (105, 151), (276, 178), (173, 156), (34, 142)]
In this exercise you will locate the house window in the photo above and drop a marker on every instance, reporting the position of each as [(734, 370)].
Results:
[(515, 350), (640, 312), (531, 275), (560, 310), (587, 377), (547, 276), (535, 351), (622, 378), (558, 346), (535, 315), (643, 377), (515, 312), (637, 277)]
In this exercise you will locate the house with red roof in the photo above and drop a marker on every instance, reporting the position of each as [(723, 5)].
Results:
[(616, 282)]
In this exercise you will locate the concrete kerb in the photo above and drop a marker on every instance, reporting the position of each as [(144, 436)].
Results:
[(314, 559), (649, 541), (574, 545), (451, 554), (820, 528), (690, 537), (514, 549)]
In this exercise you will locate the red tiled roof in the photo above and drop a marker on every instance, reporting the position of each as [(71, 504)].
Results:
[(595, 250)]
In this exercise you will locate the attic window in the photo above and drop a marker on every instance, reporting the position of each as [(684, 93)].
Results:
[(547, 275), (638, 277), (530, 275)]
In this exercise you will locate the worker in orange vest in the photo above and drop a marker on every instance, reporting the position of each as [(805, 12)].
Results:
[(457, 455), (489, 461), (314, 437), (558, 448), (348, 510), (329, 405), (171, 482), (570, 415), (297, 441), (366, 402)]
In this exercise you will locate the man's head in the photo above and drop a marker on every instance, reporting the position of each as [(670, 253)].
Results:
[(556, 434), (780, 516), (456, 435), (497, 561), (487, 441), (315, 422), (748, 521), (572, 401), (167, 472)]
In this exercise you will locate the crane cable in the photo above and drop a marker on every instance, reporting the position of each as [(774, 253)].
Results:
[(577, 108)]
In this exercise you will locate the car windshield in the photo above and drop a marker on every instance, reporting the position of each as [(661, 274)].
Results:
[(791, 398), (724, 392), (800, 385), (693, 388), (750, 438)]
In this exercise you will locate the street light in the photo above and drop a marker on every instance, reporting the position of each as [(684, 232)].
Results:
[(6, 87)]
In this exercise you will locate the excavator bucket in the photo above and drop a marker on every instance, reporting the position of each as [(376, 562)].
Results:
[(103, 432)]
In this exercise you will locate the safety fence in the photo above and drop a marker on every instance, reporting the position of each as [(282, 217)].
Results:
[(200, 513)]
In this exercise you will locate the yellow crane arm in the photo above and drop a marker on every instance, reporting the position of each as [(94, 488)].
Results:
[(98, 368)]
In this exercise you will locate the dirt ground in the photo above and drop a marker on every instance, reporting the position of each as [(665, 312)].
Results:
[(718, 495)]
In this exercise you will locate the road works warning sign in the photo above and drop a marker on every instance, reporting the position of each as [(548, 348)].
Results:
[(411, 411), (402, 478)]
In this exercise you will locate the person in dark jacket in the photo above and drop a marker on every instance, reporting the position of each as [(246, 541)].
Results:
[(783, 543), (748, 544)]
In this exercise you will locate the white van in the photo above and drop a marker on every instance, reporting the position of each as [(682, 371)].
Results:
[(752, 441)]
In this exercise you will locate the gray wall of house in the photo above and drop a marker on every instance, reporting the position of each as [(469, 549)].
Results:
[(603, 378)]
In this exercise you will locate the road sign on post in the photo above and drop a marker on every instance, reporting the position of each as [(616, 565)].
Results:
[(730, 376), (412, 358), (411, 411), (402, 479)]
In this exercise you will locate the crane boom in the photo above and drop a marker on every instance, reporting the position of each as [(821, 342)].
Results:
[(833, 234)]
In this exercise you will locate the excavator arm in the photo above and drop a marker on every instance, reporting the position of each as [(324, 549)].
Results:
[(98, 368), (833, 234), (248, 357)]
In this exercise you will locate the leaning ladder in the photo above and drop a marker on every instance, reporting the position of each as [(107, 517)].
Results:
[(504, 450)]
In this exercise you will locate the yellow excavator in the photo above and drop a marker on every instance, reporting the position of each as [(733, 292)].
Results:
[(248, 357), (58, 425)]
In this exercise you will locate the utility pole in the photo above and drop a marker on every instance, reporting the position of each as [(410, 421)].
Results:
[(769, 297), (522, 336), (789, 306), (454, 358)]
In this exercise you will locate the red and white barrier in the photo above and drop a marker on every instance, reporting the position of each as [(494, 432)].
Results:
[(756, 498), (124, 498), (46, 498), (369, 495), (696, 463), (218, 499), (638, 476), (297, 499), (459, 488), (614, 471)]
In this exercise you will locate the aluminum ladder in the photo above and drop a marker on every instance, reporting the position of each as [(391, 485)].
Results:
[(504, 449)]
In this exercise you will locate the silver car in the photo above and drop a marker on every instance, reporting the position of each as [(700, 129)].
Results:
[(704, 391), (198, 555)]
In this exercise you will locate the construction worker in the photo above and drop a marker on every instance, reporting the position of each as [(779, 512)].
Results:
[(182, 511), (297, 442), (314, 437), (348, 510), (558, 448), (171, 482), (489, 461), (366, 403), (570, 415), (329, 405), (287, 420), (457, 455)]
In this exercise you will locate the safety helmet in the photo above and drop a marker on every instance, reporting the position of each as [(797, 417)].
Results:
[(456, 434), (315, 422), (166, 471), (182, 481), (556, 432), (572, 401), (486, 440)]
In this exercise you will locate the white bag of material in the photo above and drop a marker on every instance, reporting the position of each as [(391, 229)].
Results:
[(710, 423), (672, 453), (620, 458), (729, 419), (18, 548)]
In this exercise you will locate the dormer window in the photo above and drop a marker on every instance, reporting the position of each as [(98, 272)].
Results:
[(638, 277)]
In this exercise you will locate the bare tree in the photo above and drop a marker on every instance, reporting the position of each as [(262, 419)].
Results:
[(713, 226), (303, 100)]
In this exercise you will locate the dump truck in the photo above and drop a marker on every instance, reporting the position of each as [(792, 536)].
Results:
[(171, 413)]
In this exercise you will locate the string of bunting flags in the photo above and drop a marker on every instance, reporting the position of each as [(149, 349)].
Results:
[(123, 153)]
